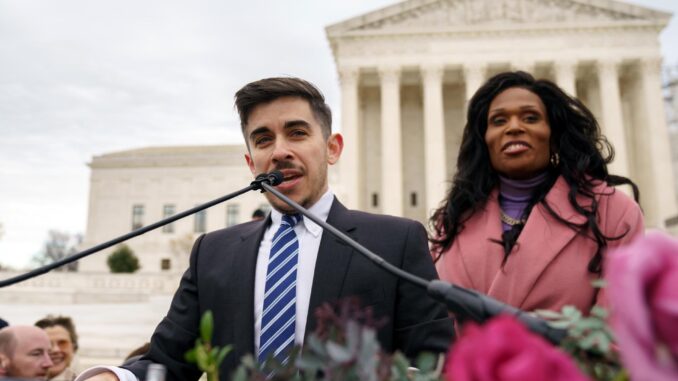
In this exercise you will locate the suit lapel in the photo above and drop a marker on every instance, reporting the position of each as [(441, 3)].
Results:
[(244, 268), (334, 258), (541, 241)]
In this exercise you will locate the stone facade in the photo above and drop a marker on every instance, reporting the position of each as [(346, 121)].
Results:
[(159, 181), (407, 72)]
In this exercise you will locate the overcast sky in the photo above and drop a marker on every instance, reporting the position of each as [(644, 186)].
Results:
[(80, 78)]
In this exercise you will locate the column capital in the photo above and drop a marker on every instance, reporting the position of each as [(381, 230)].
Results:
[(389, 73), (349, 75), (608, 65), (565, 65), (432, 72), (651, 64), (527, 66)]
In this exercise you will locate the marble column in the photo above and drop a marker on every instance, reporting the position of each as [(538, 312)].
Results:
[(526, 66), (566, 76), (474, 76), (613, 126), (350, 157), (434, 136), (661, 190), (391, 142)]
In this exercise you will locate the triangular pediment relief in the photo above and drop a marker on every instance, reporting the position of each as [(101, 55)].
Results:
[(428, 14)]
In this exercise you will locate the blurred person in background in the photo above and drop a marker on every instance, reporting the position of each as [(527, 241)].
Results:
[(64, 345), (24, 353)]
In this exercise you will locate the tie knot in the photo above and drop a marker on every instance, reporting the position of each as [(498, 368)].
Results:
[(291, 219)]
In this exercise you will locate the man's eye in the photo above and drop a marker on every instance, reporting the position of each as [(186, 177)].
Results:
[(299, 133), (262, 140)]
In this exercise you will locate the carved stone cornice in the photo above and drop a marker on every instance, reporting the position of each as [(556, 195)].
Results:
[(389, 74)]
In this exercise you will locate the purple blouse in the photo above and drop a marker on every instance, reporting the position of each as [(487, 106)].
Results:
[(514, 195)]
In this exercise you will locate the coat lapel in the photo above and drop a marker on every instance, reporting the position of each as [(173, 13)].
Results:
[(244, 268), (541, 241), (334, 258)]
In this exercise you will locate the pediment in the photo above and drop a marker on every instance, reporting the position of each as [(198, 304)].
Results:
[(415, 15)]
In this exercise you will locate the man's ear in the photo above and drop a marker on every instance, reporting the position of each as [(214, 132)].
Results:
[(250, 163), (335, 145)]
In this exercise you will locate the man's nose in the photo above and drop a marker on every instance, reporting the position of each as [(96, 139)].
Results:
[(46, 361), (281, 150)]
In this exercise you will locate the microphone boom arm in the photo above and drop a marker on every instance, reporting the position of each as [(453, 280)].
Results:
[(463, 302), (274, 178)]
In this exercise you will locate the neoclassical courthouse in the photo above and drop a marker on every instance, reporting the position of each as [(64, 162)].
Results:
[(406, 74)]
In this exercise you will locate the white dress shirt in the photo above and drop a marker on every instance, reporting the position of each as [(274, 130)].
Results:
[(309, 235)]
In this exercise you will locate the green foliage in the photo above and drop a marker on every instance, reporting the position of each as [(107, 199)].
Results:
[(589, 341), (123, 260), (207, 357), (343, 347)]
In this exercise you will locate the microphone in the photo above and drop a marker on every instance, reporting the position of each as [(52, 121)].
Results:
[(269, 179), (465, 303), (274, 178)]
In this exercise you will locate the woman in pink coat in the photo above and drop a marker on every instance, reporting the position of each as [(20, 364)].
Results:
[(532, 208)]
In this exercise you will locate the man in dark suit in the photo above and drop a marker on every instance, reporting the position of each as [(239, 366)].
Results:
[(234, 273)]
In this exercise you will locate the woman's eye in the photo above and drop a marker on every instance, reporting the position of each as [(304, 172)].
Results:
[(497, 121), (532, 118)]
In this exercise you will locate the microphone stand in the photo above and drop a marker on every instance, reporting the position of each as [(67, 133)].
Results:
[(274, 178), (465, 303)]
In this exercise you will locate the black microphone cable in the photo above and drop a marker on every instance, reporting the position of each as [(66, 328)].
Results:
[(271, 179)]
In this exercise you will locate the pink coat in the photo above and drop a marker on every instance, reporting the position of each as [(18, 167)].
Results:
[(547, 268)]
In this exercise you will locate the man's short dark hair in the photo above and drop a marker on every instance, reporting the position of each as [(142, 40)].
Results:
[(269, 89), (64, 321)]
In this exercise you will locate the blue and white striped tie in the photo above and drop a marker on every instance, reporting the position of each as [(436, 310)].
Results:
[(279, 315)]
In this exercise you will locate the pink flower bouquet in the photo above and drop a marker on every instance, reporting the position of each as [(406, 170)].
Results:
[(643, 293), (504, 350)]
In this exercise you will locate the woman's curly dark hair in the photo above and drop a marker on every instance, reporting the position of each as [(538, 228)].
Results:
[(583, 155)]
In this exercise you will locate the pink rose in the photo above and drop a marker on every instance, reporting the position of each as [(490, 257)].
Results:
[(504, 350), (643, 294)]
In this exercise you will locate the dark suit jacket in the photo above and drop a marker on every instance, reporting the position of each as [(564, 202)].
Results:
[(221, 278)]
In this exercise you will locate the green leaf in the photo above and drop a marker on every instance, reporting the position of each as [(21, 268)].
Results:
[(426, 361), (316, 346), (202, 357), (599, 312), (599, 283), (338, 353), (240, 374), (206, 326), (548, 314), (190, 356), (222, 354)]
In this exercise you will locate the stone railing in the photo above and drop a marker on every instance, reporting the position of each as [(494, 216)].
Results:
[(77, 287)]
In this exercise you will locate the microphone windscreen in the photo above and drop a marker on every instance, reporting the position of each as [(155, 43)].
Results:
[(275, 178)]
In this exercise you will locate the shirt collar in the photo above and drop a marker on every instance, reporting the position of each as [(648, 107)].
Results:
[(321, 209)]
